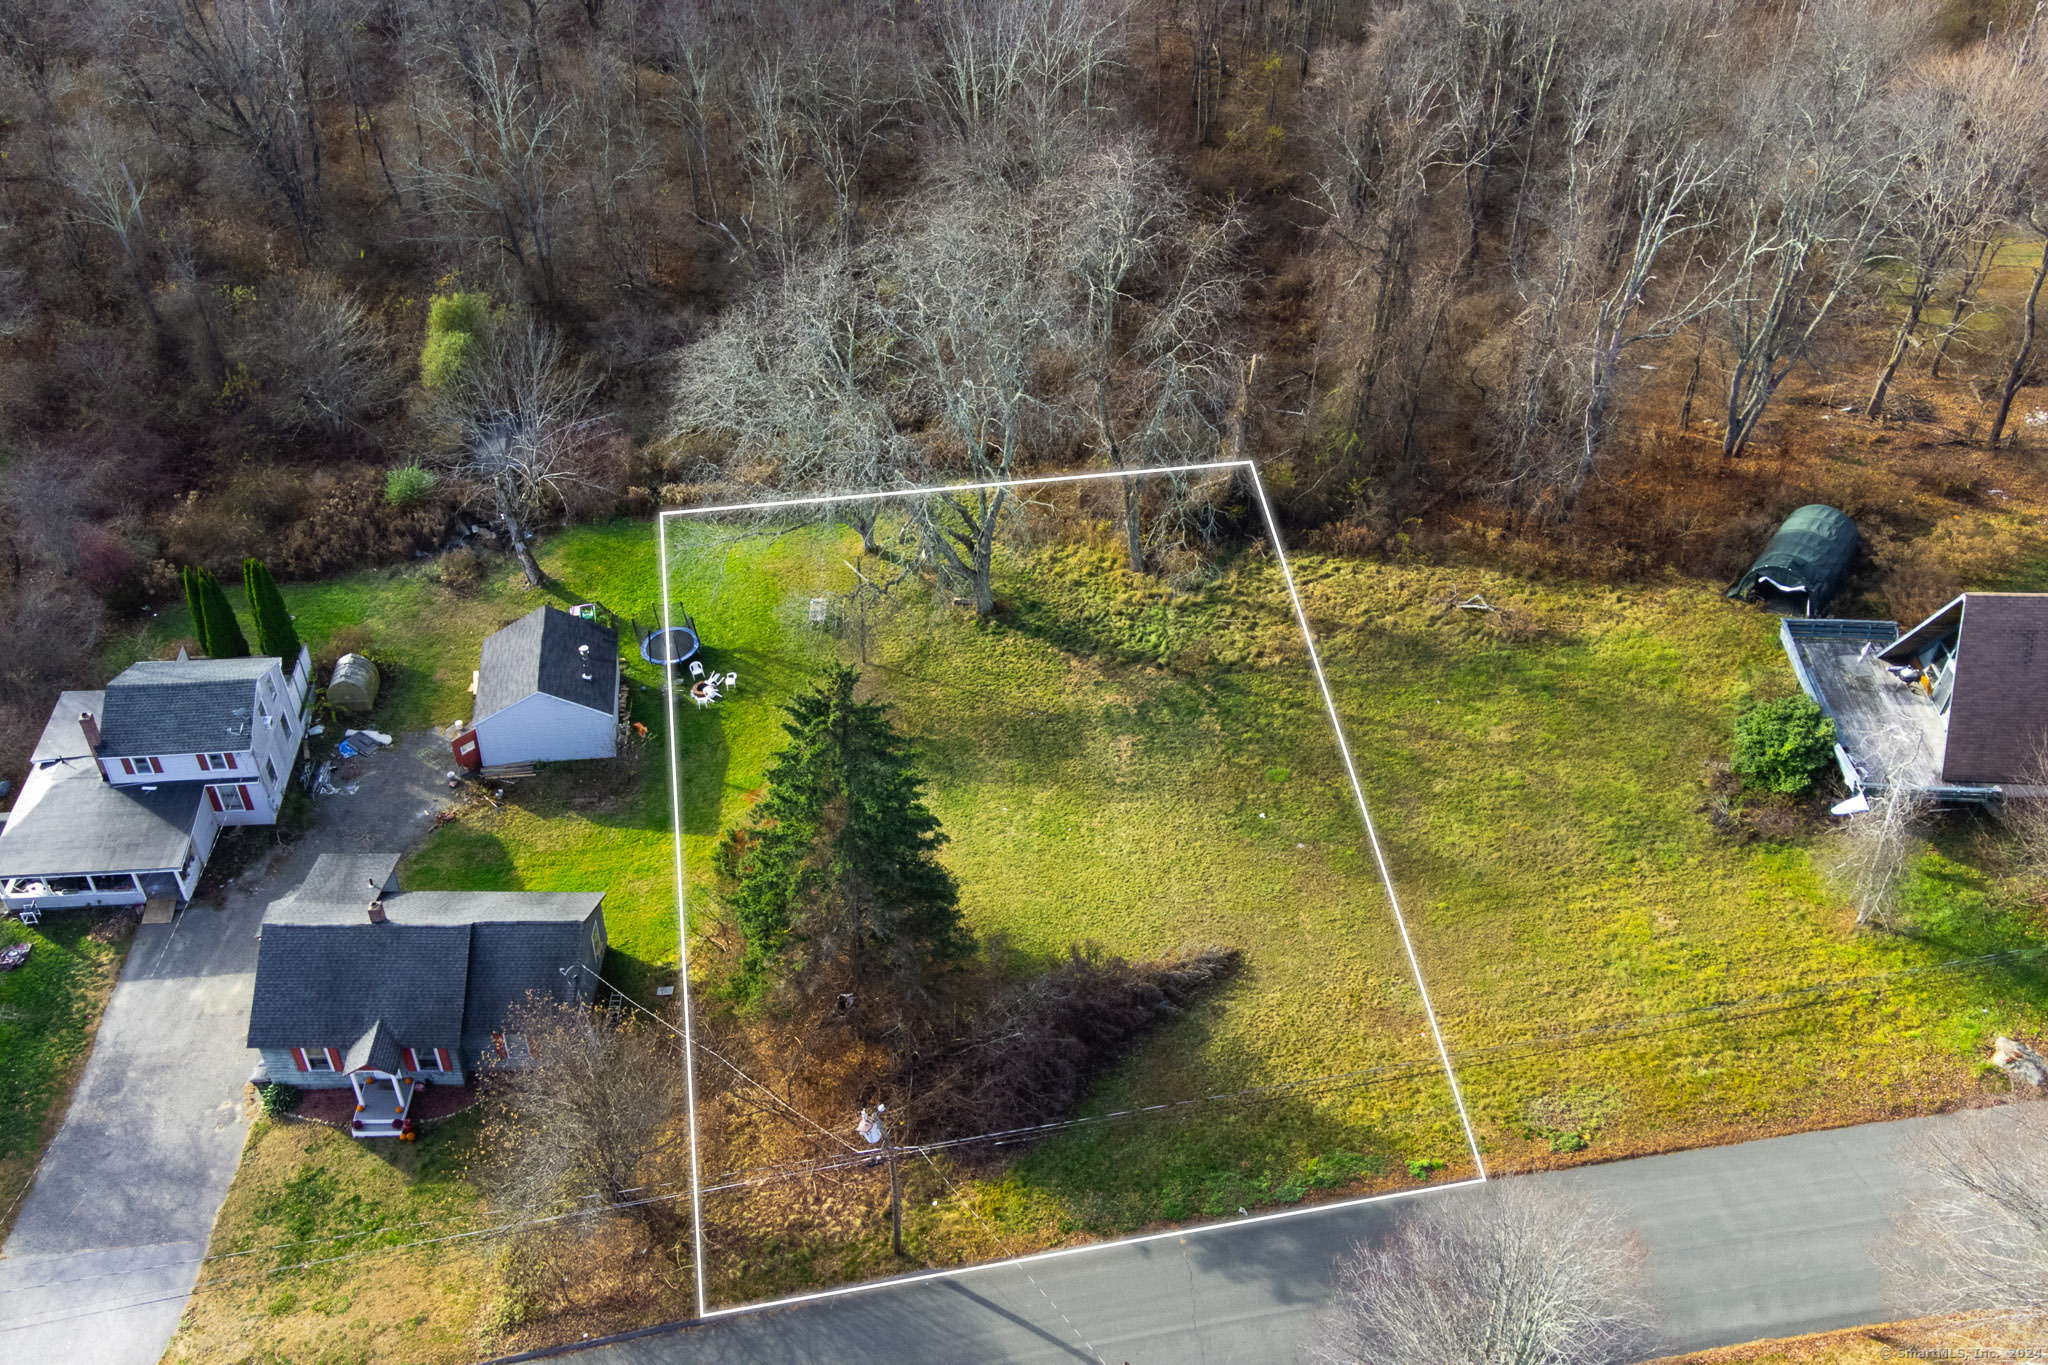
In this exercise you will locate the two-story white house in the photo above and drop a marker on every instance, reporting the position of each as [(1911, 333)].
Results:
[(129, 787)]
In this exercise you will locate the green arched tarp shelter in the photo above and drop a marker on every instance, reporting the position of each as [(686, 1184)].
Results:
[(1804, 564)]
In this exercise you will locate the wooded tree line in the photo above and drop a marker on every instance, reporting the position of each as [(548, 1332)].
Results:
[(1402, 252)]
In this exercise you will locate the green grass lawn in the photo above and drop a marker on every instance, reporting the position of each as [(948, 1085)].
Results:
[(50, 1007), (1143, 769), (309, 1260)]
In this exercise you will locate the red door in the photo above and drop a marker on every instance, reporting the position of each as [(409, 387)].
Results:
[(468, 750)]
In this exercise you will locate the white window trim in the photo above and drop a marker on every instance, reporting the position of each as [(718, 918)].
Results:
[(318, 1060)]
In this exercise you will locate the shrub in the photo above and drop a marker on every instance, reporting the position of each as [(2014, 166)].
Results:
[(409, 485), (278, 1100), (1780, 746), (461, 571), (453, 322), (1031, 1050)]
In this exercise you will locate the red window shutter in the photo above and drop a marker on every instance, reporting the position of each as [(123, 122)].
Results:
[(498, 1042), (441, 1062), (128, 766), (231, 762), (156, 765), (202, 761), (334, 1058), (299, 1059), (412, 1061), (247, 803), (213, 795)]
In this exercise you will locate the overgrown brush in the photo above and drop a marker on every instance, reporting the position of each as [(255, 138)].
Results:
[(1032, 1050)]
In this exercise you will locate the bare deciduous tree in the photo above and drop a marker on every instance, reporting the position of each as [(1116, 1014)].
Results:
[(969, 307), (1875, 850), (590, 1119), (1155, 367), (251, 75), (797, 378), (1976, 1243), (1808, 181), (495, 165), (1510, 1273), (108, 175), (324, 361), (518, 432), (1961, 135)]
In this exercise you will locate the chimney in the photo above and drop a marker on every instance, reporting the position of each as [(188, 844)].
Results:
[(90, 728), (377, 911)]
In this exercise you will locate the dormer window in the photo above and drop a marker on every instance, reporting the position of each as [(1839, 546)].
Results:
[(132, 766), (216, 763)]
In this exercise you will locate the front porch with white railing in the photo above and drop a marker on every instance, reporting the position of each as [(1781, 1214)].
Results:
[(383, 1104)]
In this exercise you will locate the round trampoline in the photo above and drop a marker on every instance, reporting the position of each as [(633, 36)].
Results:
[(677, 644)]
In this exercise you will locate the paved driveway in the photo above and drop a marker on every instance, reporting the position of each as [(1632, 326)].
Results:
[(107, 1244), (1760, 1239)]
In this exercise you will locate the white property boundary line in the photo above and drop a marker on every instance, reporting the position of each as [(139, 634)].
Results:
[(704, 1312)]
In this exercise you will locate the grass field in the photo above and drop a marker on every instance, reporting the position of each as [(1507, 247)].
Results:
[(50, 1008), (1616, 969), (297, 1272)]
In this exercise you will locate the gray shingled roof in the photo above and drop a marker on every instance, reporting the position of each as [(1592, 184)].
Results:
[(377, 1049), (443, 964), (539, 653), (324, 984), (169, 706), (509, 962), (70, 823), (61, 736)]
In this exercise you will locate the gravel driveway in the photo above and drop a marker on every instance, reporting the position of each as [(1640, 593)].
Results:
[(108, 1243)]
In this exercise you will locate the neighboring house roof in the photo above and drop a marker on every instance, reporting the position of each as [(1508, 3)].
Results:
[(539, 654), (62, 737), (443, 964), (1809, 555), (171, 706), (1998, 713), (70, 822)]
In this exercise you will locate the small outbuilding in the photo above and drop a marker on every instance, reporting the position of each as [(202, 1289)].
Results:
[(1802, 568), (1955, 708), (354, 684), (547, 691)]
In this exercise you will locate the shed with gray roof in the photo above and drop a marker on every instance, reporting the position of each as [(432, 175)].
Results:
[(547, 690)]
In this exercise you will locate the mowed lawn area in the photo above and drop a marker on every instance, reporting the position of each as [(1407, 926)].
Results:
[(50, 1007), (1140, 768)]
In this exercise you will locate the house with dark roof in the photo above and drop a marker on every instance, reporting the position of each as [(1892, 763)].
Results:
[(130, 785), (1956, 707), (547, 690), (360, 983)]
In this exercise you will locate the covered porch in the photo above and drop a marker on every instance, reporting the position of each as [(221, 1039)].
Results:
[(383, 1104), (383, 1094)]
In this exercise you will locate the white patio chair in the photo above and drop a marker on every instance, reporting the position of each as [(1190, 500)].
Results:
[(696, 668), (703, 699), (732, 680)]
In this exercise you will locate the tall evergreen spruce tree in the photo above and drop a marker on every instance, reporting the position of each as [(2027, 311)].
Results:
[(275, 633), (195, 602), (220, 634), (834, 881)]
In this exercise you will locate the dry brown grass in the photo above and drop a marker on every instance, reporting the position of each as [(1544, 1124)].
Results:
[(1858, 1345)]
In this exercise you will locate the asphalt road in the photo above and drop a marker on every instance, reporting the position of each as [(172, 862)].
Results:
[(1761, 1239), (108, 1243)]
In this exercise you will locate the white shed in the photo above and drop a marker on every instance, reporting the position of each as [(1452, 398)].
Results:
[(547, 690)]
